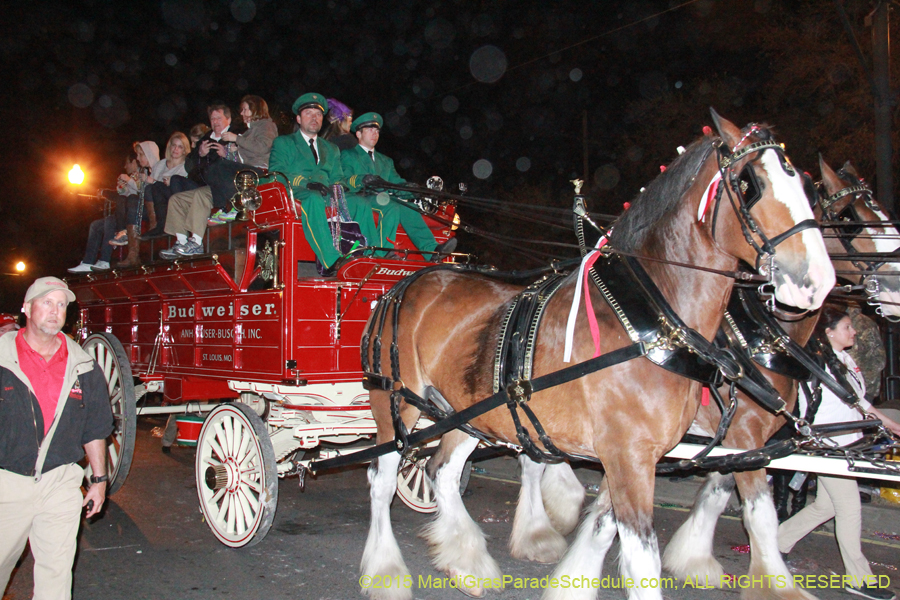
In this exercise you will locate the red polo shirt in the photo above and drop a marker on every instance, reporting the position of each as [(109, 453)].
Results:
[(46, 377)]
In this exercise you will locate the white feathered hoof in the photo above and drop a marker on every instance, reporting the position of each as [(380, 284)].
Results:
[(563, 497), (387, 586), (701, 569), (384, 573), (462, 579), (545, 546)]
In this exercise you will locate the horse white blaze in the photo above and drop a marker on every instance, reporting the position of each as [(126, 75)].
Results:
[(382, 558), (887, 240), (585, 557), (689, 554), (812, 288), (761, 522), (533, 536), (639, 562), (457, 543)]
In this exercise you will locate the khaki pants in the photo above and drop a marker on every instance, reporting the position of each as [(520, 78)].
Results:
[(46, 514), (188, 212), (838, 498)]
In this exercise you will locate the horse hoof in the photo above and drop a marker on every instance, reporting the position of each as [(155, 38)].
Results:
[(471, 592)]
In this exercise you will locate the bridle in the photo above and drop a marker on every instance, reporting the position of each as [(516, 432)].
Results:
[(745, 190), (847, 234)]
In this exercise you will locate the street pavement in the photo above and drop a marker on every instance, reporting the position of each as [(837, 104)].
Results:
[(151, 541)]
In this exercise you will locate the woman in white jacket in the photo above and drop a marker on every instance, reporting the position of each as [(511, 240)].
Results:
[(838, 497)]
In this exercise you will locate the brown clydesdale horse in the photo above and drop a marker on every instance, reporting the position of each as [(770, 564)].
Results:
[(626, 416), (689, 553)]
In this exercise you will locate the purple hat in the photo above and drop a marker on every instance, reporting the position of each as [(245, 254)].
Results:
[(337, 110)]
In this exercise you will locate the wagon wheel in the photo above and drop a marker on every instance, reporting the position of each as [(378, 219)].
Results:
[(414, 487), (109, 354), (237, 477)]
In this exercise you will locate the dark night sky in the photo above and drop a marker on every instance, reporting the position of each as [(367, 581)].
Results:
[(458, 81)]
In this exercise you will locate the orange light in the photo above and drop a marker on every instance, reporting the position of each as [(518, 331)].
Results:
[(20, 267), (76, 175)]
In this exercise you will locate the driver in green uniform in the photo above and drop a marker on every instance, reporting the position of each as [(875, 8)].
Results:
[(363, 164), (313, 165)]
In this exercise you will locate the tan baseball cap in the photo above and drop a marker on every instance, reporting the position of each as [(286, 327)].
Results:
[(45, 285)]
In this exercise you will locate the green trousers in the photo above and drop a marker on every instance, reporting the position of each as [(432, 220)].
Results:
[(394, 214), (318, 233)]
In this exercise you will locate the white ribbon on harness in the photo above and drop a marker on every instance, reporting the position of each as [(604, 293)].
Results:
[(576, 300), (708, 195)]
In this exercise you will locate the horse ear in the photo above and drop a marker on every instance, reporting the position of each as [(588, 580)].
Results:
[(849, 168), (829, 177), (728, 131)]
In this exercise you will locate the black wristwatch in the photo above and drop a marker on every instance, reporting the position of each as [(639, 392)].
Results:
[(100, 479)]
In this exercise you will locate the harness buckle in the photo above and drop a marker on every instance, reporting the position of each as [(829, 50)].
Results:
[(519, 391)]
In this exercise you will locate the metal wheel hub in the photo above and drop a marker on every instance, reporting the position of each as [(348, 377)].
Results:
[(216, 477)]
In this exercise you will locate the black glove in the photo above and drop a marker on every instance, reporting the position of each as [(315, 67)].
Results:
[(315, 186), (371, 179)]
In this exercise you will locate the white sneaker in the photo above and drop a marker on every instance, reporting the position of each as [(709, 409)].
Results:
[(81, 268), (101, 265)]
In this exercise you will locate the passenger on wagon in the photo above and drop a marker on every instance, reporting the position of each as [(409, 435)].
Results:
[(249, 150), (189, 210), (102, 231), (363, 164), (126, 212), (340, 118), (312, 165), (197, 133), (159, 189)]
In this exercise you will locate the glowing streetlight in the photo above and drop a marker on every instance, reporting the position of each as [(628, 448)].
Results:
[(76, 175), (20, 267)]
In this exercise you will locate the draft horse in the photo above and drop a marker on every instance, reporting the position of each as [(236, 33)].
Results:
[(626, 416), (689, 553)]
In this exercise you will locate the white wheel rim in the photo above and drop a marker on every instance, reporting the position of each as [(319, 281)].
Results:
[(414, 487), (106, 360), (228, 443)]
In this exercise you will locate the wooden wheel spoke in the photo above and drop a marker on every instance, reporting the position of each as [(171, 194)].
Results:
[(216, 498), (221, 436), (113, 454), (251, 490), (246, 514), (217, 451)]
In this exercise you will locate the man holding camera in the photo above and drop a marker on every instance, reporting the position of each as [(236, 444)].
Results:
[(55, 409), (189, 209)]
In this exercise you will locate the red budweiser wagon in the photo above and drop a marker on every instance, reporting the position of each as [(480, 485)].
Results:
[(252, 332)]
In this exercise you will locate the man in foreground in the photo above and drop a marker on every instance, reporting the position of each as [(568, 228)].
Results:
[(55, 409)]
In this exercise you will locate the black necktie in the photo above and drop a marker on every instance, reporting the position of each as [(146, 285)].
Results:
[(372, 154), (312, 146)]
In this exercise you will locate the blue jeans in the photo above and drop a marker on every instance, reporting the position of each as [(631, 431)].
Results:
[(101, 231)]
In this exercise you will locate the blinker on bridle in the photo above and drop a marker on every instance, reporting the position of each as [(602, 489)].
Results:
[(745, 190)]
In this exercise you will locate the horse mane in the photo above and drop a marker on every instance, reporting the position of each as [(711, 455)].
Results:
[(661, 197)]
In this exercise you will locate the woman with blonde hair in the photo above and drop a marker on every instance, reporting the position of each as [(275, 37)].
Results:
[(158, 191)]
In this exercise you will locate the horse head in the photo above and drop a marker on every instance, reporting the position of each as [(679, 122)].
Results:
[(771, 213), (849, 205)]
